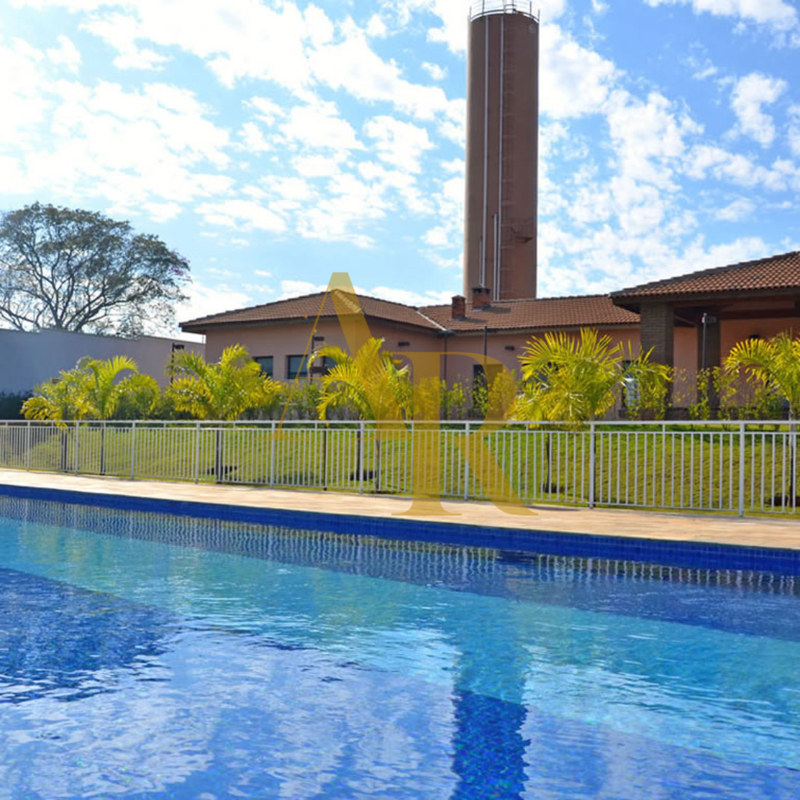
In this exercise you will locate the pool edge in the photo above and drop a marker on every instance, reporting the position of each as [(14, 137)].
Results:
[(686, 554)]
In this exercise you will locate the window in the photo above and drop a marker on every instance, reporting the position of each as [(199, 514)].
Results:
[(296, 366), (322, 366), (265, 362)]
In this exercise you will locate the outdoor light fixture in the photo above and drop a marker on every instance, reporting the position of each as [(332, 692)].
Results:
[(404, 344), (510, 347)]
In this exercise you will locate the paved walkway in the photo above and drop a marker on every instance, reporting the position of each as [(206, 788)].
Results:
[(784, 533)]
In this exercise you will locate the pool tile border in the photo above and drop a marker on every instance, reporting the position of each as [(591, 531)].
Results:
[(691, 555)]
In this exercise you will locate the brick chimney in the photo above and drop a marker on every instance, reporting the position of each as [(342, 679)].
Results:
[(481, 296), (459, 307)]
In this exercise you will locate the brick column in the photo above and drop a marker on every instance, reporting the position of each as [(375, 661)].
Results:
[(658, 332), (713, 354)]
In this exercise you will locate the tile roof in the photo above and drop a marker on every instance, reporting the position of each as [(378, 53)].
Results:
[(540, 314), (308, 306), (773, 273)]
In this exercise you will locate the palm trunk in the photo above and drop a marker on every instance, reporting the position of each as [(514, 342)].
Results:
[(103, 449)]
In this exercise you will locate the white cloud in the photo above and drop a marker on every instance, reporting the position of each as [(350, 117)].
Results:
[(401, 144), (319, 124), (121, 31), (750, 95), (253, 138), (777, 14), (574, 81), (292, 288), (66, 54), (204, 299), (242, 215), (737, 210), (794, 130), (436, 72)]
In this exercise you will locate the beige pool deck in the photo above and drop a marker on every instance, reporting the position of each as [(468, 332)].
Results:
[(750, 532)]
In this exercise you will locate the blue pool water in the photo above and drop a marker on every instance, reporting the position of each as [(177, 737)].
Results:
[(151, 656)]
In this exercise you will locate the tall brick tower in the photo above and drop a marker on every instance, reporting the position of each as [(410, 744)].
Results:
[(502, 149)]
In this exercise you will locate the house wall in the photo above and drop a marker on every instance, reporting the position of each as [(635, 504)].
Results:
[(735, 331), (28, 359), (460, 367), (292, 338)]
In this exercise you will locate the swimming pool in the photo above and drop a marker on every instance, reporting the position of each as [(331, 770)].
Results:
[(155, 656)]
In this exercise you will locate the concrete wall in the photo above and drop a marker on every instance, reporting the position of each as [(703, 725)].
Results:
[(27, 359)]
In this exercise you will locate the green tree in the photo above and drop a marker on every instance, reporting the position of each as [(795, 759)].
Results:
[(92, 390), (221, 391), (772, 363), (577, 380), (78, 270), (371, 383)]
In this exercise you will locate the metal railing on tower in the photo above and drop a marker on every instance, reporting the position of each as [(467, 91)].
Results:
[(480, 8)]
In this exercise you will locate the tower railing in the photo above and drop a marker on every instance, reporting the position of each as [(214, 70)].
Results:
[(481, 8)]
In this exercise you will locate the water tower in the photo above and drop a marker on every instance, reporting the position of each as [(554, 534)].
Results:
[(502, 150)]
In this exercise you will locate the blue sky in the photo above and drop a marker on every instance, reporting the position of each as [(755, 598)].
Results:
[(273, 143)]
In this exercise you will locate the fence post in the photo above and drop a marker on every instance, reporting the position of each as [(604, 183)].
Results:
[(592, 458), (272, 456), (133, 450), (77, 450), (196, 453), (466, 464), (361, 431), (28, 445), (742, 440)]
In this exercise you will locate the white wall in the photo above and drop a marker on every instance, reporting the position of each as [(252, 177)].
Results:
[(27, 359)]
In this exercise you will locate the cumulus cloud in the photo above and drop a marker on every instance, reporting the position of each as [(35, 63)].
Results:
[(738, 210), (750, 95), (777, 14)]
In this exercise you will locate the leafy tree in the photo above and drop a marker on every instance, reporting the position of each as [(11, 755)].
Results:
[(78, 270), (772, 363), (221, 391)]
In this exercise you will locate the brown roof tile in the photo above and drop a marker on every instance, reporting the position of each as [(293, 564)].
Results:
[(308, 306), (773, 273), (540, 314), (543, 314)]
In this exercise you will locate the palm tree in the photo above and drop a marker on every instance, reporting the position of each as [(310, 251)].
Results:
[(775, 363), (92, 390), (569, 380), (577, 380), (221, 391), (371, 383)]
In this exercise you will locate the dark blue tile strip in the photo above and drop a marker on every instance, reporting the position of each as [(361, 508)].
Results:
[(693, 555)]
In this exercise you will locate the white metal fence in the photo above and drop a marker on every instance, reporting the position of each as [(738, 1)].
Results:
[(734, 468)]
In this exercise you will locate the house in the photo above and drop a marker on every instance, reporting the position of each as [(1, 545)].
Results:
[(689, 321)]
